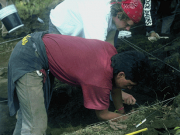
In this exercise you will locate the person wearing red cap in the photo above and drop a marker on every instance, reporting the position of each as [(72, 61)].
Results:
[(94, 19)]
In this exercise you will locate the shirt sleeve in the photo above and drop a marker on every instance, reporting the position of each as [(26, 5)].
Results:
[(150, 14), (96, 98)]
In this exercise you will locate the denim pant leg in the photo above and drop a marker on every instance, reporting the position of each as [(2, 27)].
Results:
[(31, 98), (167, 22), (52, 28)]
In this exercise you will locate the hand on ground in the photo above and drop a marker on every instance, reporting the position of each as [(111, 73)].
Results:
[(154, 34)]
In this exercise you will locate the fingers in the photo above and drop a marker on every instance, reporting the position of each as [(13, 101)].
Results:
[(153, 37), (157, 36), (154, 34), (130, 100)]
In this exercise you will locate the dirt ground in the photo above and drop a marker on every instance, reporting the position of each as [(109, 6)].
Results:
[(67, 108)]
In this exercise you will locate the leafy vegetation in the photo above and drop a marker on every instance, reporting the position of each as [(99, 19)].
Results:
[(177, 130), (27, 8)]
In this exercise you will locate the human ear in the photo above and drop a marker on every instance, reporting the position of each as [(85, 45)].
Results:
[(120, 75)]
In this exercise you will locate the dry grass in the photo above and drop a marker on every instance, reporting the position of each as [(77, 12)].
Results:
[(159, 116)]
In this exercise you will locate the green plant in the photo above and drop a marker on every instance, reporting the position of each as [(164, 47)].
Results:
[(177, 130), (27, 8)]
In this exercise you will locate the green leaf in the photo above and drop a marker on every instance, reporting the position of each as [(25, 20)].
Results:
[(176, 128), (177, 132)]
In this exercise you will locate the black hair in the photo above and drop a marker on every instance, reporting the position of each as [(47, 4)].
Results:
[(134, 64)]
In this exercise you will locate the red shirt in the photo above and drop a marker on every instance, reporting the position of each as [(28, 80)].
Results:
[(84, 62)]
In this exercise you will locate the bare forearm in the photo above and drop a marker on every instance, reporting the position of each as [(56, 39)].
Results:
[(107, 115), (117, 98)]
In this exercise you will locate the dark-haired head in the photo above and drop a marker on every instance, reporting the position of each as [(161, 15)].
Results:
[(134, 64)]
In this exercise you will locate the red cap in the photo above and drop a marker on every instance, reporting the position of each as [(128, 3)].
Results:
[(133, 9)]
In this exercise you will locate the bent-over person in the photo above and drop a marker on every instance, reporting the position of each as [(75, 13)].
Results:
[(92, 64)]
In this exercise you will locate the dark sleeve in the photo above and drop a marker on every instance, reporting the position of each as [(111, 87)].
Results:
[(168, 7), (115, 38), (150, 10)]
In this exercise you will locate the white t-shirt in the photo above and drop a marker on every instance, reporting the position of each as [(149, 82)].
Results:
[(89, 19)]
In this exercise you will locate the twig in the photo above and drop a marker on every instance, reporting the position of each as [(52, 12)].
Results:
[(164, 88), (3, 101), (166, 129)]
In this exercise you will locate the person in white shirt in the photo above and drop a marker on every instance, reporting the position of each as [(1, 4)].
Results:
[(93, 19)]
